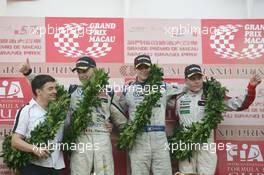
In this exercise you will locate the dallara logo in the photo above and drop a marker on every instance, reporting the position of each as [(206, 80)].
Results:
[(238, 41)]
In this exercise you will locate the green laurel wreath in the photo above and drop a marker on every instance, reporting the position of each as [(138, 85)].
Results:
[(199, 132), (82, 116), (143, 112), (56, 114), (46, 130)]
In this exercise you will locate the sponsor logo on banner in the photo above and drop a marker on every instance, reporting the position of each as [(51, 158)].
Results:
[(244, 152), (20, 39), (242, 157), (234, 41), (11, 89), (165, 41), (70, 38), (14, 93)]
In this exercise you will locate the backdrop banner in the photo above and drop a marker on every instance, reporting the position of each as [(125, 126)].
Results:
[(229, 50)]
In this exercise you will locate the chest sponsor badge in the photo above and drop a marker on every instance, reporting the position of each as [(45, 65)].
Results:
[(201, 103)]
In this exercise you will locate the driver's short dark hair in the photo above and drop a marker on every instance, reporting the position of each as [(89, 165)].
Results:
[(39, 81)]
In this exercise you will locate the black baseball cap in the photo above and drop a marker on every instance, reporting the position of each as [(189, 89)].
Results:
[(142, 60), (84, 63), (192, 70)]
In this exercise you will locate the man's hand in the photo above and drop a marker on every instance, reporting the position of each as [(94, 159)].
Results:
[(255, 80), (24, 67), (109, 126), (41, 152)]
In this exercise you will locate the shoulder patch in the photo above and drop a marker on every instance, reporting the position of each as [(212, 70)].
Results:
[(131, 82), (72, 88)]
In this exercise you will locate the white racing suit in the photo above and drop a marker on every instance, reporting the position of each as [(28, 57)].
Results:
[(94, 144), (190, 108), (149, 151), (97, 155)]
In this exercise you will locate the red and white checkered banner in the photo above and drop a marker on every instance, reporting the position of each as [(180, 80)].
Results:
[(229, 50)]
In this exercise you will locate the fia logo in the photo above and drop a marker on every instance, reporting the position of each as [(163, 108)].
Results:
[(247, 153), (11, 89)]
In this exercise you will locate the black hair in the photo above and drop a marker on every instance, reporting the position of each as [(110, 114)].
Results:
[(39, 81)]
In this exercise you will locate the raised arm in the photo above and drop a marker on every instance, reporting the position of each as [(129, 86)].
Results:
[(244, 101), (26, 70)]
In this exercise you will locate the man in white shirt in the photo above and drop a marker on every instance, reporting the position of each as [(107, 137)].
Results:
[(96, 155), (27, 118)]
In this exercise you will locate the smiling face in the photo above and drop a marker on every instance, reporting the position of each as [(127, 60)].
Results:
[(195, 82), (142, 72), (48, 92), (85, 74)]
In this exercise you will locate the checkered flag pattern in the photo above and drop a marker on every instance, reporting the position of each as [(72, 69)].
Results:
[(221, 42), (66, 42)]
